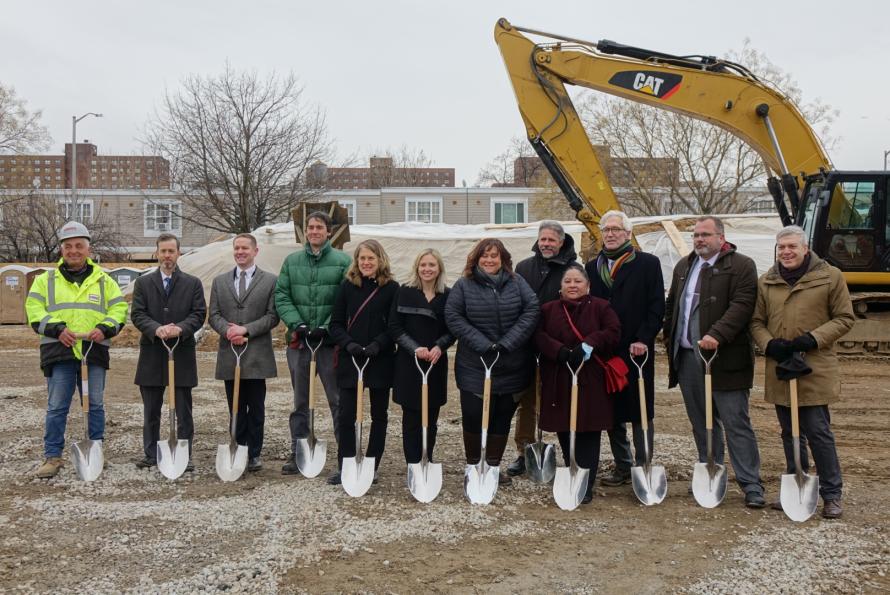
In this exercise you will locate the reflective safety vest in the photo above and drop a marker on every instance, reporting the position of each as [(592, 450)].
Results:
[(96, 301)]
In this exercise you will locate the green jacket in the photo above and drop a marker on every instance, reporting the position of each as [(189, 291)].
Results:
[(307, 286)]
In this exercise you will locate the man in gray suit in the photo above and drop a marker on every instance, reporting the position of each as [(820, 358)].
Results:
[(242, 309)]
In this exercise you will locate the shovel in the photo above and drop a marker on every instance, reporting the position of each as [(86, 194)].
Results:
[(540, 457), (424, 478), (649, 481), (86, 454), (358, 471), (231, 458), (570, 483), (709, 479), (799, 491), (481, 479), (310, 453), (173, 454)]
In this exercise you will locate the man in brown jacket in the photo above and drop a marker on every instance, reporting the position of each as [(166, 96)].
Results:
[(803, 305), (709, 307)]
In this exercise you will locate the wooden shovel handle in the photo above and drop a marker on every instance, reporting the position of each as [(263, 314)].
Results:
[(425, 405), (236, 390), (573, 418), (644, 415), (709, 405), (486, 398), (538, 390), (312, 368), (795, 421), (171, 384), (85, 386), (359, 400)]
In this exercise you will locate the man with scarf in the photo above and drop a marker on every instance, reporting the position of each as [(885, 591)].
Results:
[(632, 282), (803, 307), (709, 307), (553, 251)]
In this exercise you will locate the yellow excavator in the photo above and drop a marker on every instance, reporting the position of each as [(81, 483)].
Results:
[(844, 213)]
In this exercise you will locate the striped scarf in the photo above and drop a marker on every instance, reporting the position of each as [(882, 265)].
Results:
[(621, 255)]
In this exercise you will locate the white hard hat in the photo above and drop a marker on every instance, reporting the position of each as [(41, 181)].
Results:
[(73, 229)]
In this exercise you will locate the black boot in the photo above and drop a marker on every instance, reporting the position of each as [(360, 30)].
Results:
[(494, 452), (472, 447), (517, 467)]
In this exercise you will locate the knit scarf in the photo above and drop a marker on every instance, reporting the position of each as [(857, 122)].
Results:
[(621, 255), (793, 276)]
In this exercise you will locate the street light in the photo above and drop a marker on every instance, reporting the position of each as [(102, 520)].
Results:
[(887, 152), (74, 121)]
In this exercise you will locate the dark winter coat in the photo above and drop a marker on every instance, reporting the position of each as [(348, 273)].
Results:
[(414, 322), (726, 304), (599, 325), (543, 275), (371, 325), (637, 297), (153, 308), (479, 313)]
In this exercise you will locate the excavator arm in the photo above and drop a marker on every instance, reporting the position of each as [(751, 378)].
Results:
[(718, 92)]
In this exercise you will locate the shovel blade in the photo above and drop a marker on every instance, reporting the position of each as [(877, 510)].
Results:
[(172, 463), (650, 484), (569, 487), (87, 458), (481, 483), (357, 475), (425, 481), (799, 500), (311, 456), (708, 486), (540, 461), (230, 462)]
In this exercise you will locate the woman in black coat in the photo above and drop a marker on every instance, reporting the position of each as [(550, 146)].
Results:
[(491, 311), (417, 324), (359, 326), (633, 284)]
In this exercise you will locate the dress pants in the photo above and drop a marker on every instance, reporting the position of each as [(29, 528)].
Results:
[(815, 430), (524, 432), (412, 433), (620, 445), (251, 413), (152, 400), (379, 420), (298, 363)]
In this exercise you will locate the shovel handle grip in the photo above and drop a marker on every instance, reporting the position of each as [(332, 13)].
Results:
[(486, 399), (171, 384), (709, 404), (573, 417), (312, 368), (359, 401), (644, 415), (85, 386), (795, 421)]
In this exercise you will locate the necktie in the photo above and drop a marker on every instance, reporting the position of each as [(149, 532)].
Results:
[(167, 282), (242, 284), (696, 296)]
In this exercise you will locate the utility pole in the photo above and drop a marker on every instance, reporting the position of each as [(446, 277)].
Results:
[(74, 121)]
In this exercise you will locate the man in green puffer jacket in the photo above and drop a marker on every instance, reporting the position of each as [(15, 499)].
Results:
[(304, 298)]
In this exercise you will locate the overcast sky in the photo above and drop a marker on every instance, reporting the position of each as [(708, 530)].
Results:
[(423, 74)]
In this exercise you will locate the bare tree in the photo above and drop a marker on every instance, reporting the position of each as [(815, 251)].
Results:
[(240, 147), (518, 165), (664, 163), (20, 129), (404, 166)]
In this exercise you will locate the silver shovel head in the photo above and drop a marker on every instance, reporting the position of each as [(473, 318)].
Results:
[(357, 475), (540, 461), (799, 498), (231, 460), (87, 458), (708, 485), (650, 483), (172, 462), (311, 455), (425, 480), (569, 487), (481, 482)]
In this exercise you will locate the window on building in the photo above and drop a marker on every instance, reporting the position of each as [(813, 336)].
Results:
[(350, 206), (84, 210), (509, 210), (162, 215), (424, 210)]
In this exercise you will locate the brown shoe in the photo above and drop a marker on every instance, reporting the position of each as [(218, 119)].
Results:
[(832, 509), (776, 504), (49, 468)]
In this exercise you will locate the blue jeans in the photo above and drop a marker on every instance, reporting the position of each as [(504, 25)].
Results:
[(65, 377)]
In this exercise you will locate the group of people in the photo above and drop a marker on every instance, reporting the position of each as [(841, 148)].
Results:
[(550, 312)]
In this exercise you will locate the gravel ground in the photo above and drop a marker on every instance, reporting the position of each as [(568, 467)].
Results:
[(134, 531)]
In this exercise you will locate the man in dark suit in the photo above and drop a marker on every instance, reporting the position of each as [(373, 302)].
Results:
[(632, 282), (242, 308), (167, 304)]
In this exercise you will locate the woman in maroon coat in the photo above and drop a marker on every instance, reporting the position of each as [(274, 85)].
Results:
[(562, 321)]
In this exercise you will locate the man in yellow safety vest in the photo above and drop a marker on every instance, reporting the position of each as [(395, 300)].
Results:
[(68, 306)]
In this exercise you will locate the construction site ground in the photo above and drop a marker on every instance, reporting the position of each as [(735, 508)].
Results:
[(135, 531)]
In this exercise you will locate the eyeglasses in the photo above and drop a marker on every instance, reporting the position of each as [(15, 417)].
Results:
[(606, 230), (703, 235)]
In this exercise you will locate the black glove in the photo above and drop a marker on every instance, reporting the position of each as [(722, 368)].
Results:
[(492, 350), (805, 342), (576, 356), (372, 349), (317, 334), (779, 349), (563, 355), (355, 350), (301, 330)]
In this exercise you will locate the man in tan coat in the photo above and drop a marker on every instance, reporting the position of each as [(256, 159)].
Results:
[(803, 305)]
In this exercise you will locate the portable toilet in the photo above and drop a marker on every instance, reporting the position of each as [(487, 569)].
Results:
[(124, 275), (13, 291), (32, 274)]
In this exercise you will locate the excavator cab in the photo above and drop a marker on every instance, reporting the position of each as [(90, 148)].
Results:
[(846, 219)]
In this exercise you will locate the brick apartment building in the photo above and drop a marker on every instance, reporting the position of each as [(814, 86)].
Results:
[(381, 173)]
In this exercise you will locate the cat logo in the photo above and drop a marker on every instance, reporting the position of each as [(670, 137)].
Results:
[(655, 84)]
